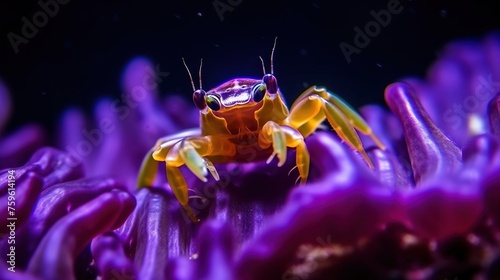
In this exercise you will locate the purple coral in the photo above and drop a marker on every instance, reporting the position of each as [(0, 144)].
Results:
[(429, 210), (16, 148)]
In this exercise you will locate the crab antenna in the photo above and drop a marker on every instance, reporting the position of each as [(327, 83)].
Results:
[(190, 77), (272, 55), (199, 72), (263, 67)]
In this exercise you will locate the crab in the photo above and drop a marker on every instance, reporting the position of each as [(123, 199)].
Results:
[(242, 109)]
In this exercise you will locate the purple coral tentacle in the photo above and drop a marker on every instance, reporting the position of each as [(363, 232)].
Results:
[(480, 154), (394, 172), (383, 124), (155, 232), (53, 204), (494, 116), (216, 249), (110, 258), (52, 165), (23, 196), (431, 152), (453, 206), (444, 208), (55, 255), (17, 147), (140, 82), (347, 204)]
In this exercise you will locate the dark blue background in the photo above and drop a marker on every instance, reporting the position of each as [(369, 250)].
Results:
[(79, 55)]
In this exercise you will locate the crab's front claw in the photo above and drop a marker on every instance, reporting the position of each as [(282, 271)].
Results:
[(272, 133), (158, 153), (282, 137), (188, 152), (193, 160), (211, 168), (184, 149)]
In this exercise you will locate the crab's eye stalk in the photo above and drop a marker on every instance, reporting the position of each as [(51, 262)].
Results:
[(199, 99), (258, 92), (213, 102), (271, 83)]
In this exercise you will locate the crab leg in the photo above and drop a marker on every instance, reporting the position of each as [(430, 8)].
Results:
[(282, 137), (191, 152), (147, 173), (180, 189), (149, 166), (313, 109), (349, 113)]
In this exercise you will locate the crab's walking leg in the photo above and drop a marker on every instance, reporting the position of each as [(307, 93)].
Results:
[(180, 190), (281, 137), (311, 110), (191, 152), (350, 114), (147, 173)]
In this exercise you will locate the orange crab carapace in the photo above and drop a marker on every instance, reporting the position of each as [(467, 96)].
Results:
[(243, 109)]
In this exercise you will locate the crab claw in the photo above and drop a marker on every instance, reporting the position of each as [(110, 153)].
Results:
[(210, 166), (193, 160), (274, 133)]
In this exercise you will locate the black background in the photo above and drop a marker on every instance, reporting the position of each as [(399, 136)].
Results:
[(80, 53)]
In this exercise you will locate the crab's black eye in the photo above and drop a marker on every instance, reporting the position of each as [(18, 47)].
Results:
[(213, 102), (258, 92), (199, 99), (271, 83)]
